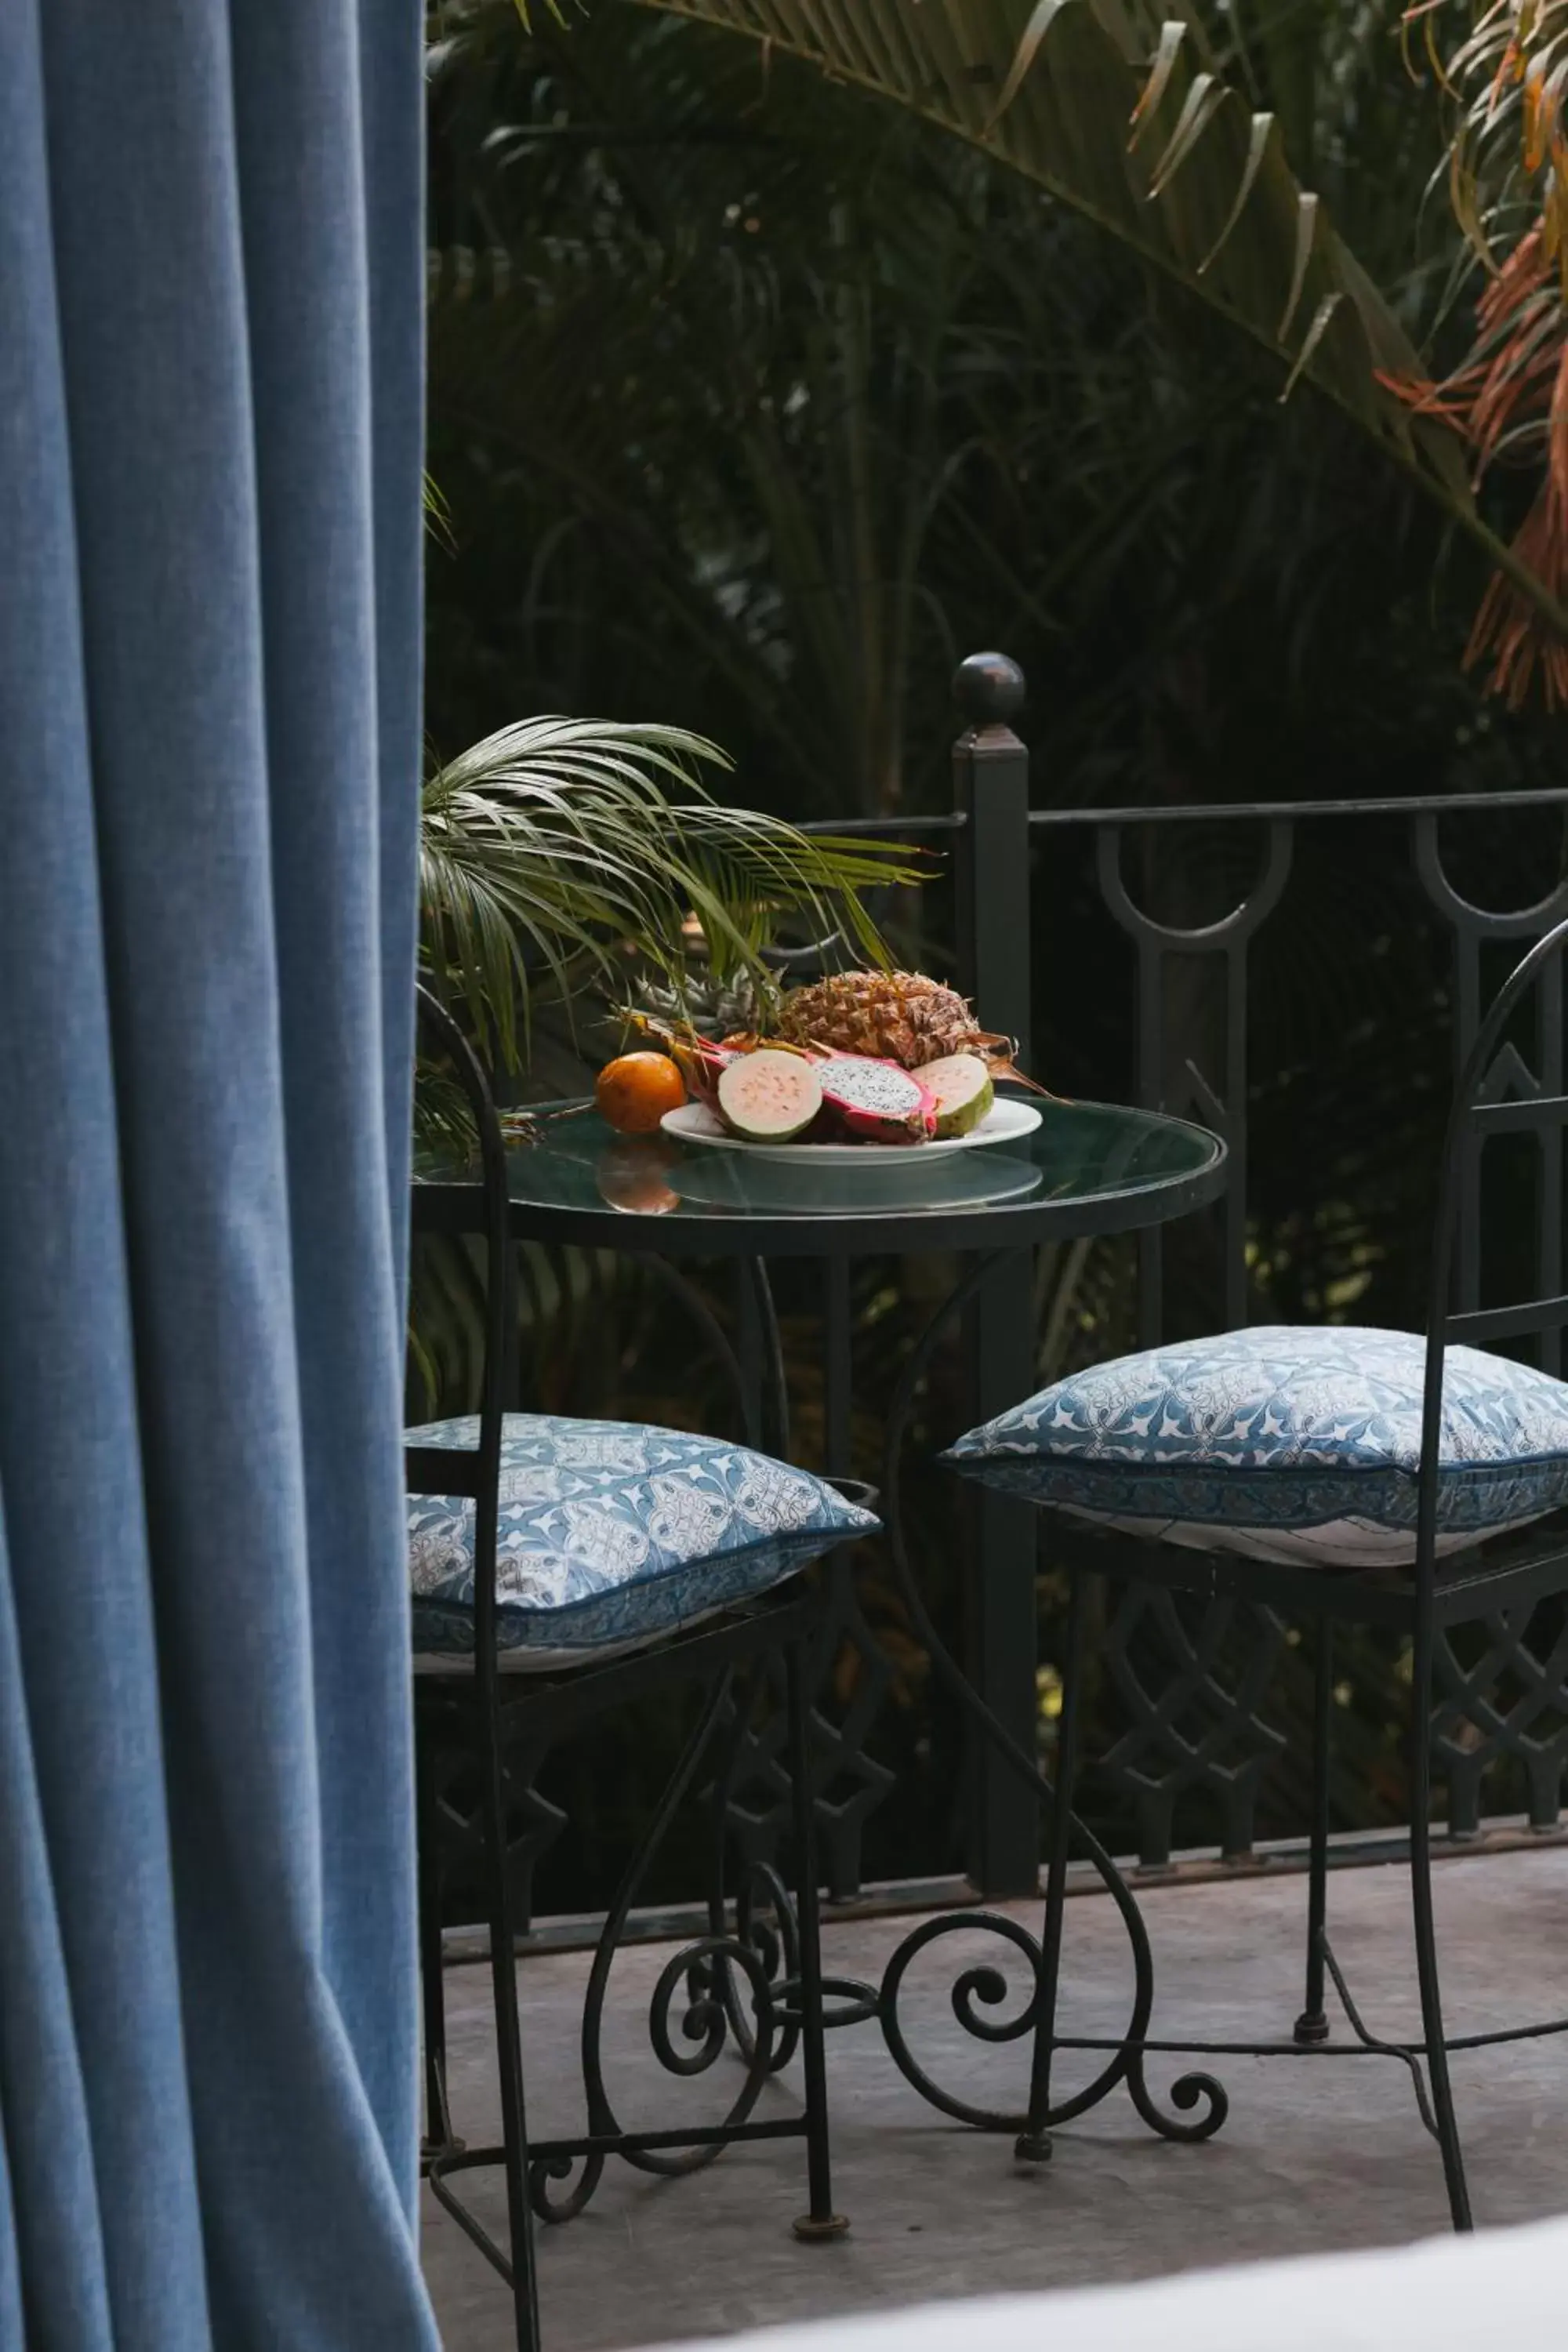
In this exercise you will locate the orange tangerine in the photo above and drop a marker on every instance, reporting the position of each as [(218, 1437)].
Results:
[(635, 1090)]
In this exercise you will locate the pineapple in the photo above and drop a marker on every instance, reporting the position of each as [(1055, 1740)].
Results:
[(893, 1016)]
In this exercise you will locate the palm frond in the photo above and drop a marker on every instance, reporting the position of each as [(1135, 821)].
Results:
[(1505, 74), (1508, 399), (437, 513), (1115, 107), (551, 843)]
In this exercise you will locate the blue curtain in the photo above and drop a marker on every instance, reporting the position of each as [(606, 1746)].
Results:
[(210, 433)]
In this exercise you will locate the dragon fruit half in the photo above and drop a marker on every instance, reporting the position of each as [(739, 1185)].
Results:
[(702, 1064), (876, 1102)]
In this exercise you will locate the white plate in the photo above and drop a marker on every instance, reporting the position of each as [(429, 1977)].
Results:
[(1004, 1122)]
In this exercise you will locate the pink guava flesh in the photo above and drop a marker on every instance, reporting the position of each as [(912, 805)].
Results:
[(769, 1096), (960, 1084), (877, 1102)]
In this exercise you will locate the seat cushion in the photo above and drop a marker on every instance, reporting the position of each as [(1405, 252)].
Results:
[(612, 1534), (1287, 1442)]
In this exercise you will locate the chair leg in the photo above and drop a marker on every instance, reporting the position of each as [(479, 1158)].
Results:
[(1426, 1933), (509, 2040), (821, 2221), (1033, 2143), (432, 1985), (1312, 2025)]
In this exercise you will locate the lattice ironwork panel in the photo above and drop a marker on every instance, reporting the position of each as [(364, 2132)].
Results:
[(1194, 1682)]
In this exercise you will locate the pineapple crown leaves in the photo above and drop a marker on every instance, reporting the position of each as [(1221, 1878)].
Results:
[(696, 1001), (550, 843)]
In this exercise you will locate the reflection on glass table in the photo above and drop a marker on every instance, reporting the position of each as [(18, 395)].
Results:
[(1088, 1167)]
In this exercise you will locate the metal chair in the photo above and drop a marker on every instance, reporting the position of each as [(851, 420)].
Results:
[(1433, 1596), (775, 1974)]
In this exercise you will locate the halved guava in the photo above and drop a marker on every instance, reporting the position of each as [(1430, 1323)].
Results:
[(961, 1085), (769, 1096)]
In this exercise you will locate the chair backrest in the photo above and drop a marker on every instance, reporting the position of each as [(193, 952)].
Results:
[(445, 1207), (1471, 1120)]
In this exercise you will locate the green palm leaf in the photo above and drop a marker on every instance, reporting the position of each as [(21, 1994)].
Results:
[(550, 843), (1117, 110)]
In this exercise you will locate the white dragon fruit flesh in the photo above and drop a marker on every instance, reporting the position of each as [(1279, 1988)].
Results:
[(876, 1102)]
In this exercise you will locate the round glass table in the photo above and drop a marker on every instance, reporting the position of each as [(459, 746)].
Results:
[(1088, 1168)]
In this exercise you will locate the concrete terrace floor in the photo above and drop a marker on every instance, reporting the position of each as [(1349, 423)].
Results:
[(1316, 2154)]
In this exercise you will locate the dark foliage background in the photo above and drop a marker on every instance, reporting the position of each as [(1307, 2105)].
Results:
[(755, 406)]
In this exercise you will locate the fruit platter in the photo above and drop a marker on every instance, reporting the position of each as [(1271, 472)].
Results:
[(859, 1065)]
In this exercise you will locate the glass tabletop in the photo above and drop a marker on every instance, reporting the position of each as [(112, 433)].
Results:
[(1087, 1167)]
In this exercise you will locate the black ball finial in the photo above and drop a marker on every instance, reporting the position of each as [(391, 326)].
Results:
[(989, 689)]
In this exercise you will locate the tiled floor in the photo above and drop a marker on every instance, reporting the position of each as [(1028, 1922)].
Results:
[(1315, 2153)]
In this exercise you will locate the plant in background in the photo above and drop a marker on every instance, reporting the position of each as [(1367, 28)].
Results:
[(1508, 182), (1124, 112), (709, 364), (560, 850), (789, 391)]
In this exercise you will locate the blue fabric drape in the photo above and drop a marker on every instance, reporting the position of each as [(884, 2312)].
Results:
[(210, 405)]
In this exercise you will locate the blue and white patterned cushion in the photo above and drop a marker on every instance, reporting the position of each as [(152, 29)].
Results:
[(612, 1534), (1284, 1443)]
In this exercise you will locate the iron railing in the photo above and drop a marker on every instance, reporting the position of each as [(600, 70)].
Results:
[(1193, 1692), (1060, 928)]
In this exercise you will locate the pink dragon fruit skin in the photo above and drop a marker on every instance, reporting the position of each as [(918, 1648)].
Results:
[(702, 1065), (876, 1102)]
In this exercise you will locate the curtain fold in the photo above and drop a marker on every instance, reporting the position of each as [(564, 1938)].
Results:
[(210, 403)]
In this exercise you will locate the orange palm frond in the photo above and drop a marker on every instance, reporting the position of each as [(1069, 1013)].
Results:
[(1508, 79), (1510, 401), (1508, 628)]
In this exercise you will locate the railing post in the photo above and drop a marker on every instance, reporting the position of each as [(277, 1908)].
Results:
[(990, 787)]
